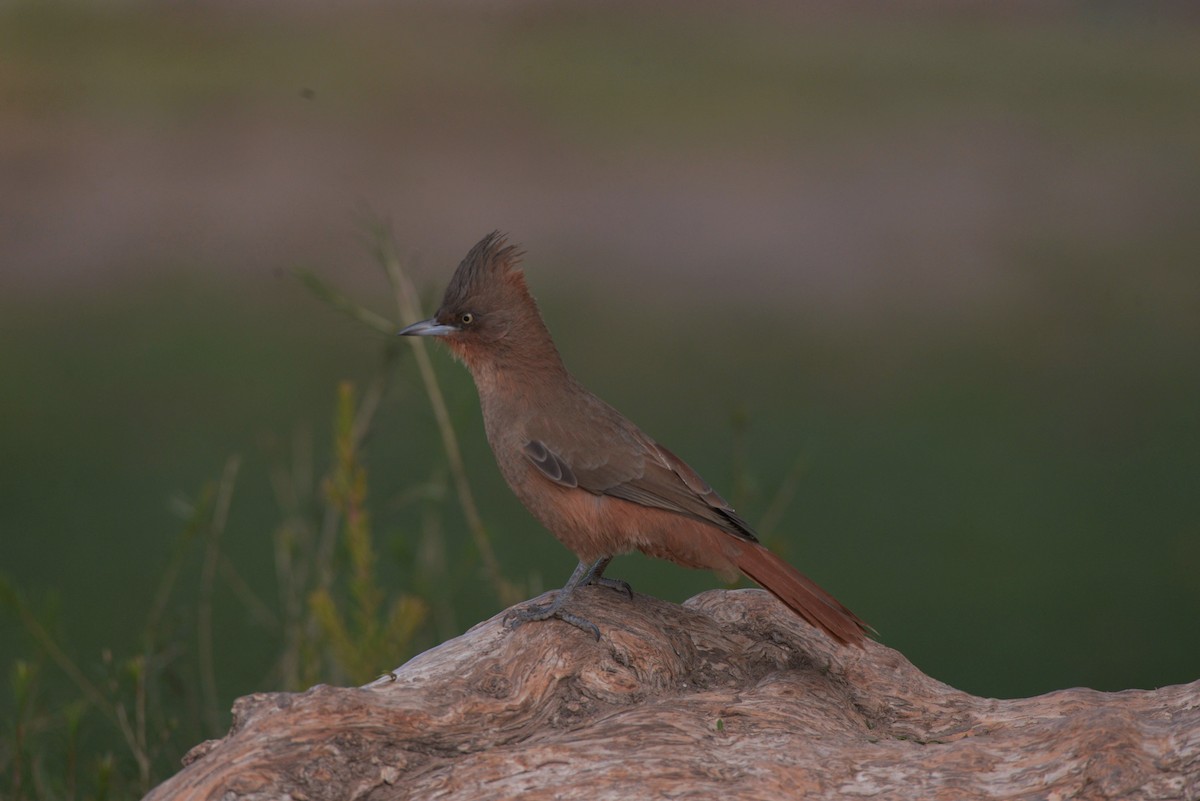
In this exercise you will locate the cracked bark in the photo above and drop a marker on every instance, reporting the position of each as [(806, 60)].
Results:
[(728, 695)]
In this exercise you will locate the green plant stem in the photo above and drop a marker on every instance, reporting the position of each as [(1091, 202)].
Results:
[(342, 303), (783, 498), (363, 418), (90, 690), (208, 676), (407, 303)]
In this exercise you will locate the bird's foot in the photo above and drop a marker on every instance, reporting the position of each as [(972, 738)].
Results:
[(594, 574), (615, 584), (585, 573), (516, 617)]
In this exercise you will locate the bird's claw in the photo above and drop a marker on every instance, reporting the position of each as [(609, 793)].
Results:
[(515, 617), (615, 584)]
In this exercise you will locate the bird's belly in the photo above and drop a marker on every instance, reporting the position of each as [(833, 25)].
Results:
[(595, 526)]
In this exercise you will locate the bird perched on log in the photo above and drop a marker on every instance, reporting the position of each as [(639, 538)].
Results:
[(594, 479)]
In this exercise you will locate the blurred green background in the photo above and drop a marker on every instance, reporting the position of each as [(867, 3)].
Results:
[(918, 288)]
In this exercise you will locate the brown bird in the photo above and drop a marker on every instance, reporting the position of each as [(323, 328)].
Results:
[(589, 475)]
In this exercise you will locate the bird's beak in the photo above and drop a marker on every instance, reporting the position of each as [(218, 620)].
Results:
[(426, 328)]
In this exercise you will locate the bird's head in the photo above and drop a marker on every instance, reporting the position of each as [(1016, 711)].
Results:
[(487, 312)]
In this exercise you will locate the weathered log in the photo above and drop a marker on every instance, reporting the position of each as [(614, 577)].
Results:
[(727, 696)]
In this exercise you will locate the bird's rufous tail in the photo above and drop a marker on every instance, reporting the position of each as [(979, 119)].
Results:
[(801, 594)]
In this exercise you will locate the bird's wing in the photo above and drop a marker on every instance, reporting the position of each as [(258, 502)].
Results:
[(625, 463)]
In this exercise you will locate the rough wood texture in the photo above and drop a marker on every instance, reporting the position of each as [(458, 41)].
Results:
[(728, 696)]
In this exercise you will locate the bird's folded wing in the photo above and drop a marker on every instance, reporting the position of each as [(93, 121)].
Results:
[(631, 466)]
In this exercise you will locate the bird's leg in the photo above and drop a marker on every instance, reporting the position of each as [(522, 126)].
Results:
[(595, 575), (584, 573)]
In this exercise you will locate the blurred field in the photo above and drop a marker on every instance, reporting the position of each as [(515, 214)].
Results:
[(934, 273)]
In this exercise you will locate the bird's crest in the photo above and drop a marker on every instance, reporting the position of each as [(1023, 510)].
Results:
[(490, 264)]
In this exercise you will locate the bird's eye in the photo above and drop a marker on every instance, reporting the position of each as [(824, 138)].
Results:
[(466, 318)]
